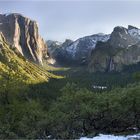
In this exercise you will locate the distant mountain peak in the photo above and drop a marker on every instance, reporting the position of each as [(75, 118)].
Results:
[(120, 29), (134, 32), (121, 49), (51, 42), (77, 51)]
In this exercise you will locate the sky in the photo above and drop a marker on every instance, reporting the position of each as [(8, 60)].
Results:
[(72, 19)]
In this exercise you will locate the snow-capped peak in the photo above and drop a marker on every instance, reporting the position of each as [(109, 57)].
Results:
[(134, 32), (50, 42), (86, 43)]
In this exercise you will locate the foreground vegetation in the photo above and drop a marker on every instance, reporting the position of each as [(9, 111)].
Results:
[(60, 109), (35, 103)]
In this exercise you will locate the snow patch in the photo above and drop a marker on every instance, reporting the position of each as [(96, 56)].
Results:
[(91, 40), (134, 33), (72, 48), (99, 87), (58, 43), (124, 38), (129, 45), (126, 31), (51, 42)]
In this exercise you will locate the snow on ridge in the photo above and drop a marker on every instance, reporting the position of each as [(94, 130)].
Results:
[(112, 137), (72, 48), (126, 31), (120, 27), (58, 43), (134, 33), (102, 38), (92, 40), (50, 42)]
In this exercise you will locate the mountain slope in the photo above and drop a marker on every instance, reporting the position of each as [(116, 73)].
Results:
[(16, 63)]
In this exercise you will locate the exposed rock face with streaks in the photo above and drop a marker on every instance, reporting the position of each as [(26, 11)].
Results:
[(123, 48), (22, 33)]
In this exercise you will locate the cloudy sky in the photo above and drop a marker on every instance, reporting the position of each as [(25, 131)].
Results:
[(61, 19)]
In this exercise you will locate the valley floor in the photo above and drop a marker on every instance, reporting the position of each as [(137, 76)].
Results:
[(67, 106), (92, 81)]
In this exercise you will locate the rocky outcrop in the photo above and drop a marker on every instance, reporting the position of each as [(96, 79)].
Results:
[(57, 51), (52, 46), (22, 33), (123, 48)]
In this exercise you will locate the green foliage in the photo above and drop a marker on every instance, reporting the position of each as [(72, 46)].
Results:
[(64, 109), (20, 116), (136, 76), (35, 104), (80, 111), (21, 120), (40, 110)]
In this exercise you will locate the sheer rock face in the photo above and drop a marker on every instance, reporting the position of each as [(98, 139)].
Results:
[(13, 62), (22, 33), (123, 48)]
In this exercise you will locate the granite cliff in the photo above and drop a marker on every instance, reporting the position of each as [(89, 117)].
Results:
[(22, 34), (123, 48)]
